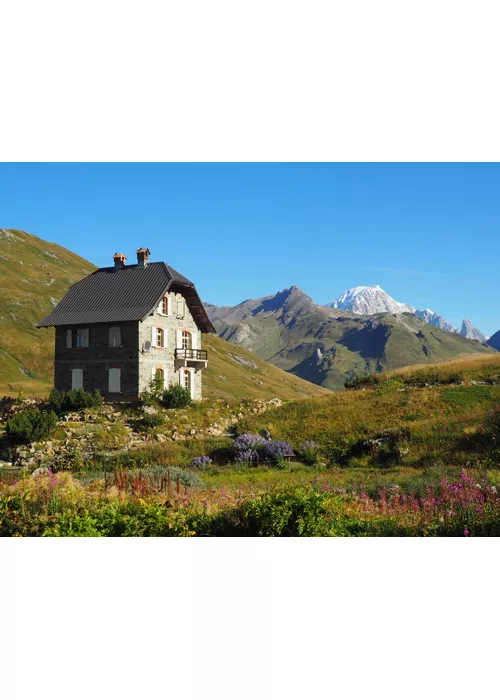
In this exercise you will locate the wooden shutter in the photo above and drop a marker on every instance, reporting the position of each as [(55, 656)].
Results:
[(114, 385), (85, 337), (191, 383), (77, 378), (69, 338), (165, 337), (179, 339), (169, 305), (153, 336), (194, 340)]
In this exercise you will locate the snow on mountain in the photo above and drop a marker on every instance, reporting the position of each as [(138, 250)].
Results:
[(369, 300), (435, 320), (468, 331)]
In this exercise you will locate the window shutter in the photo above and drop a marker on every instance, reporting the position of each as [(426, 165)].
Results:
[(194, 340), (69, 341), (85, 338), (169, 305), (165, 337), (114, 377), (165, 377), (191, 383), (77, 379), (160, 306), (153, 336), (179, 339)]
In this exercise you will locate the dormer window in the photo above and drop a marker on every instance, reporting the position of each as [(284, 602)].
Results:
[(164, 306)]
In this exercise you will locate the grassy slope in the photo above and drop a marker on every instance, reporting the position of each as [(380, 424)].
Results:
[(35, 274), (249, 381), (442, 420)]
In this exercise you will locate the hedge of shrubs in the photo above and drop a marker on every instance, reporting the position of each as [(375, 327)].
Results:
[(73, 400)]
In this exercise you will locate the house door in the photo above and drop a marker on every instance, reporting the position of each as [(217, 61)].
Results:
[(77, 378), (114, 384)]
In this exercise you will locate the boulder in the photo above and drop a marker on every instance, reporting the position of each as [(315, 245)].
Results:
[(41, 471)]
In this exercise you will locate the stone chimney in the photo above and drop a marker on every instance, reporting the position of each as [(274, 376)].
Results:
[(143, 257), (119, 259)]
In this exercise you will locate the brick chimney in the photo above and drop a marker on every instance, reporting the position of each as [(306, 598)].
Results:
[(119, 259), (143, 257)]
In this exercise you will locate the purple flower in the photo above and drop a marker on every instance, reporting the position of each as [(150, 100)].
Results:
[(200, 462), (277, 449)]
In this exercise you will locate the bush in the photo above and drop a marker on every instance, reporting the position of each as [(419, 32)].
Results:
[(277, 450), (31, 425), (73, 400), (175, 397), (247, 448), (201, 462), (148, 422), (309, 452)]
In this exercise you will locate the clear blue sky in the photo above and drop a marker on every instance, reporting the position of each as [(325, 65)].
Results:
[(429, 234)]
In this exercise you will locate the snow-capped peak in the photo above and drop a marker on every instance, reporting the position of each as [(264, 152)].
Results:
[(369, 300), (468, 331)]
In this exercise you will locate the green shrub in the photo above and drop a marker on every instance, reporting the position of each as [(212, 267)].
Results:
[(31, 425), (176, 397), (148, 422), (74, 400)]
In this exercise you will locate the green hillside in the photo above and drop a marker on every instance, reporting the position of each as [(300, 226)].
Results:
[(35, 274)]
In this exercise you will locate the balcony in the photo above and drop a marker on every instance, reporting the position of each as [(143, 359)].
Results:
[(191, 355)]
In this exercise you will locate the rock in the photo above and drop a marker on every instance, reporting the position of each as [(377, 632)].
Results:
[(159, 437), (192, 431), (275, 402), (41, 471), (214, 432), (151, 410), (265, 434)]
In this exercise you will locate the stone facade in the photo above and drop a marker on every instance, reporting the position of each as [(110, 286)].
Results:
[(137, 358)]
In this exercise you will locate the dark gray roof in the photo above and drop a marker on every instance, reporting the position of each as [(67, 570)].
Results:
[(109, 295)]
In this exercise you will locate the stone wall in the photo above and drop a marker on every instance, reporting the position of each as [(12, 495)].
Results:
[(165, 357), (98, 359)]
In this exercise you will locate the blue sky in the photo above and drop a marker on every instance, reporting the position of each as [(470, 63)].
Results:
[(427, 233)]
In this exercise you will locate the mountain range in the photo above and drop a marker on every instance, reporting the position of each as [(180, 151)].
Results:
[(329, 344), (373, 300)]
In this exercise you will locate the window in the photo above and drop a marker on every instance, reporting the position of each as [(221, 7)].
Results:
[(82, 338), (186, 340), (186, 380), (164, 306), (114, 381), (180, 308), (77, 378), (160, 338), (115, 337)]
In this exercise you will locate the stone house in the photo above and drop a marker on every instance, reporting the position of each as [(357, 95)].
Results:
[(124, 326)]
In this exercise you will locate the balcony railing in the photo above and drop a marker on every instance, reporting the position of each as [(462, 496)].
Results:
[(190, 354)]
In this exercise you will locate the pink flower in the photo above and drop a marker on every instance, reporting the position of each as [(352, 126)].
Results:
[(466, 532)]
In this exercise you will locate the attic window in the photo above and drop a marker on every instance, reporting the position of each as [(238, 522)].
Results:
[(164, 306)]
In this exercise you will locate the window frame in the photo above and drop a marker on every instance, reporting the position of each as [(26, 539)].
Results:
[(79, 332), (160, 337)]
